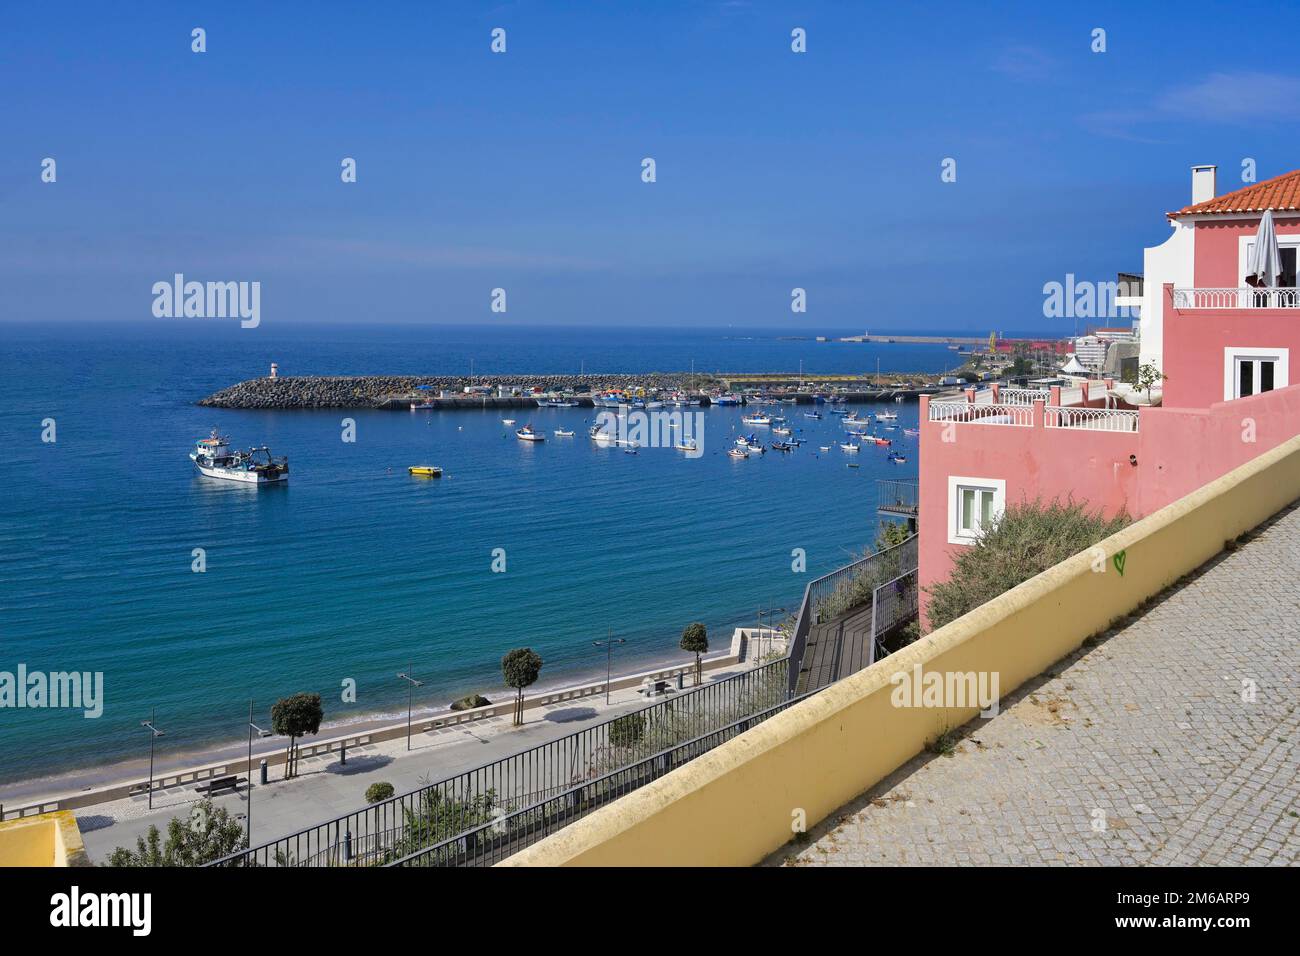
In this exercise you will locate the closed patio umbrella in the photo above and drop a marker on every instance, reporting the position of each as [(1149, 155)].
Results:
[(1264, 264)]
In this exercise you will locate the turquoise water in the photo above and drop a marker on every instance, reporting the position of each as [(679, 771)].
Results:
[(356, 570)]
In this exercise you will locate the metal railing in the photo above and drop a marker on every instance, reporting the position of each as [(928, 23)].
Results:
[(405, 824), (499, 838), (968, 412), (1024, 396), (841, 590), (1092, 419), (1240, 298), (896, 496), (892, 604)]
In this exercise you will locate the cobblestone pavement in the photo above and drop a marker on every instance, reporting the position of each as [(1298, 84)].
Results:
[(1146, 748)]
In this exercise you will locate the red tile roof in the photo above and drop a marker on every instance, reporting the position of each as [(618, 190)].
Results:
[(1279, 193)]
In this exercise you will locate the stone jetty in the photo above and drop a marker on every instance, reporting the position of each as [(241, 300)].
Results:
[(382, 391)]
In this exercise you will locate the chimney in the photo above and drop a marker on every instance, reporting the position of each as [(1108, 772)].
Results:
[(1203, 183)]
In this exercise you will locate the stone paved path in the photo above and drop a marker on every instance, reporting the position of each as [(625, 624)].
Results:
[(1146, 748)]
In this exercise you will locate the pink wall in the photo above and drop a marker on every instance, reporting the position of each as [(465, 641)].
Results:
[(1194, 340), (1178, 450), (1182, 449), (1217, 247), (1035, 462)]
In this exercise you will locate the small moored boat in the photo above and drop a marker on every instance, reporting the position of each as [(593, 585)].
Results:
[(527, 434)]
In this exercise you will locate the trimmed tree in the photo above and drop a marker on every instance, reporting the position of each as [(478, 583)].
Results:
[(520, 668), (695, 638), (295, 717)]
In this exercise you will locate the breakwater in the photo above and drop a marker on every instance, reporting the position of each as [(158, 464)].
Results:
[(379, 391), (398, 391)]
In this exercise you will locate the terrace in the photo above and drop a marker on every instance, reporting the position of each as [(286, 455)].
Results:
[(1064, 408)]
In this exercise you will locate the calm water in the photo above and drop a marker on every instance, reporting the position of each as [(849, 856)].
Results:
[(355, 569)]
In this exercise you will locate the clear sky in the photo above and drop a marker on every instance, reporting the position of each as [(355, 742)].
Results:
[(523, 170)]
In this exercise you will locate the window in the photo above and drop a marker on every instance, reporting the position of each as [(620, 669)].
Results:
[(974, 504), (1253, 371)]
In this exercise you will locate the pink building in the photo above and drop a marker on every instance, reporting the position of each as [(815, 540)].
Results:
[(1224, 346)]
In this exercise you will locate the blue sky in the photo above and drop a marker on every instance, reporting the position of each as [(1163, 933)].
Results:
[(522, 171)]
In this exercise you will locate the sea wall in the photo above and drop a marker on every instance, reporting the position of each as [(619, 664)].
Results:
[(375, 391)]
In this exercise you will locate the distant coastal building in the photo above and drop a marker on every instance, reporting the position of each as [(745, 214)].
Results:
[(1223, 344)]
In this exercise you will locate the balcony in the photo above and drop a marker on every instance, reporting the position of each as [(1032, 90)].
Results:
[(1243, 298), (1071, 408)]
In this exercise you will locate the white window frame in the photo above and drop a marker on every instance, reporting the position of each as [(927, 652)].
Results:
[(1288, 241), (956, 484), (1281, 359)]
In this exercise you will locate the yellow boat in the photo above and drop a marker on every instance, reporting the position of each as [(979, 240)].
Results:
[(425, 471)]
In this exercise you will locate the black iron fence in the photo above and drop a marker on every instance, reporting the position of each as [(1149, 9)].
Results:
[(431, 815), (509, 833)]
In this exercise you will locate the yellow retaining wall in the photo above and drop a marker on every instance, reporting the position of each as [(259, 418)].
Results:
[(735, 805), (48, 839)]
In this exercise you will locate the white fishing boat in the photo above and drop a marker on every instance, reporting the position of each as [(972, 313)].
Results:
[(507, 421), (214, 459), (688, 445), (422, 406), (824, 447), (527, 434), (886, 416), (849, 446), (737, 453), (782, 430), (758, 419), (561, 433)]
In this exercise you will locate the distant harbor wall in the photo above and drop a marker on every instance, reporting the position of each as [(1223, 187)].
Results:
[(399, 391)]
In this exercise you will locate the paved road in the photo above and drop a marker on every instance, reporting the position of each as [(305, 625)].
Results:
[(1147, 748), (325, 789)]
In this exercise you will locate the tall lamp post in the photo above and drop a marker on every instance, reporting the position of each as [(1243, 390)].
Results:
[(154, 734), (410, 697), (252, 728), (608, 644)]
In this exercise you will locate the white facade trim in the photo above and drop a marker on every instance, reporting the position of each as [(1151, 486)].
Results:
[(1281, 358), (1173, 261), (955, 484)]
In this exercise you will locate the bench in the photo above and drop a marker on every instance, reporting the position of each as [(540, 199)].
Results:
[(220, 785)]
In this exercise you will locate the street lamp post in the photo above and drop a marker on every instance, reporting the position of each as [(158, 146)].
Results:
[(608, 644), (154, 734), (410, 697), (252, 727)]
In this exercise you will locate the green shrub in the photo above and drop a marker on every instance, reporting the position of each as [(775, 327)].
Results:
[(1026, 540), (209, 834), (379, 792)]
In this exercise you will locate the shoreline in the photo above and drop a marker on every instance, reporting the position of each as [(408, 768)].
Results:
[(65, 787)]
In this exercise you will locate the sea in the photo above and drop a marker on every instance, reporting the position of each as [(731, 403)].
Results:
[(356, 571)]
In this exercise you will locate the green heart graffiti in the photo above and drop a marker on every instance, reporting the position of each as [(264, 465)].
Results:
[(1118, 561)]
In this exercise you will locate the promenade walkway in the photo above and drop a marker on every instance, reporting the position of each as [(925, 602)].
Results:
[(324, 789), (1172, 740)]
